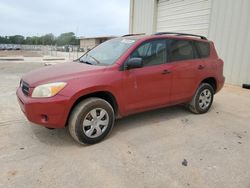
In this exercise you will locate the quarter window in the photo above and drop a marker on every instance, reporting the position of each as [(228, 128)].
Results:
[(151, 52)]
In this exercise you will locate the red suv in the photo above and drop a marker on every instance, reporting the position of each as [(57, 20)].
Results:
[(122, 76)]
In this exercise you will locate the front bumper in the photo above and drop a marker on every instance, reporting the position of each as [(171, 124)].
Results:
[(48, 112)]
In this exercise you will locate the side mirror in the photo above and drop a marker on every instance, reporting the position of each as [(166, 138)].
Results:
[(134, 63)]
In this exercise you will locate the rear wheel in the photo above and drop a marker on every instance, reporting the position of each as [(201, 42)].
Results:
[(91, 121), (202, 99)]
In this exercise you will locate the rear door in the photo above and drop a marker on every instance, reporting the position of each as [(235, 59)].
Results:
[(185, 66)]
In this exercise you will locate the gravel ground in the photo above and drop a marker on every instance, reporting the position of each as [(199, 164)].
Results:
[(24, 53), (163, 148)]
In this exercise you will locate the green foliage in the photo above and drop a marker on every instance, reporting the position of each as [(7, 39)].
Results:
[(16, 39), (47, 39), (4, 40), (66, 39), (33, 40)]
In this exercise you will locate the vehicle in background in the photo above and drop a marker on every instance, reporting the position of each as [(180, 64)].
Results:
[(10, 47), (16, 47), (2, 47)]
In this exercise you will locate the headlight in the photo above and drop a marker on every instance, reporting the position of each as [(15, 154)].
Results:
[(48, 90)]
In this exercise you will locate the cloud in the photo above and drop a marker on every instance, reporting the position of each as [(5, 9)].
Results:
[(85, 18)]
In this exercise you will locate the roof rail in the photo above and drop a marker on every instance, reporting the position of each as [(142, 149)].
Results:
[(180, 34), (128, 35)]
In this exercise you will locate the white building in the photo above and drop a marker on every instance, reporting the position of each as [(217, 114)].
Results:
[(226, 22)]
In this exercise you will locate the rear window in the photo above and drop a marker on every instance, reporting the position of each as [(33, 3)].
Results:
[(203, 48)]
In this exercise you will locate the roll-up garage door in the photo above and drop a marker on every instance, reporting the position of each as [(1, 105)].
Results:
[(189, 16)]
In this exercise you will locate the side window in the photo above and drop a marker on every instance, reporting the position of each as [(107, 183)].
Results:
[(203, 48), (181, 50), (152, 52)]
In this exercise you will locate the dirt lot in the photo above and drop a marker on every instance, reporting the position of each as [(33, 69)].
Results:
[(39, 54), (24, 53), (144, 150)]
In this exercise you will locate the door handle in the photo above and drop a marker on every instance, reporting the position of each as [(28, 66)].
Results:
[(200, 67), (166, 72)]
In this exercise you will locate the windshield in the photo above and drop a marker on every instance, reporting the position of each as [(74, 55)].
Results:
[(108, 52)]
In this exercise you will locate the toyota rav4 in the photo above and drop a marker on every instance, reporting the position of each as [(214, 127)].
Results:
[(122, 76)]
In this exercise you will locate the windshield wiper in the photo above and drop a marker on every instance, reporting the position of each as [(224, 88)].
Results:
[(86, 62), (98, 62)]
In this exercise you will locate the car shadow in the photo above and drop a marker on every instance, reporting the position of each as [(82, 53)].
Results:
[(148, 118), (61, 137), (53, 137)]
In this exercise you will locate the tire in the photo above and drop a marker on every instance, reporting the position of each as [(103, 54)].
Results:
[(91, 121), (202, 99)]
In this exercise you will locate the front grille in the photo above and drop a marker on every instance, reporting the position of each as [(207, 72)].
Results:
[(25, 88)]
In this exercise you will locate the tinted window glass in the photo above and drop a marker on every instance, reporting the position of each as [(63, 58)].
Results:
[(181, 50), (203, 48), (152, 52)]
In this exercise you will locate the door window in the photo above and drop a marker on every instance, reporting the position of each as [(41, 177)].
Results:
[(180, 50), (151, 52)]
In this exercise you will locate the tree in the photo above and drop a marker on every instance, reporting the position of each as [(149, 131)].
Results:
[(47, 39), (16, 39), (29, 40), (66, 39), (4, 40)]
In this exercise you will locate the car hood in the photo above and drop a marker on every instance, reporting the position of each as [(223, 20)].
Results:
[(60, 72)]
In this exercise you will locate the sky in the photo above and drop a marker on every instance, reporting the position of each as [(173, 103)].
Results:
[(85, 18)]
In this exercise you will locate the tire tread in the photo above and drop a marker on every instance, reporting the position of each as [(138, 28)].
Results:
[(76, 112), (192, 106)]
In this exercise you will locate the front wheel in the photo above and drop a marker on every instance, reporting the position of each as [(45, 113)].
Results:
[(91, 121), (202, 99)]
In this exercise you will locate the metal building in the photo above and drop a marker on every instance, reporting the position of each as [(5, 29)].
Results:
[(226, 22)]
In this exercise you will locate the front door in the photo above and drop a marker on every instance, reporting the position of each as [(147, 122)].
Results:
[(149, 86)]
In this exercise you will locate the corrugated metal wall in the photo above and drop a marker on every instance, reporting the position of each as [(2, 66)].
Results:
[(230, 31), (142, 16), (226, 22), (189, 16)]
